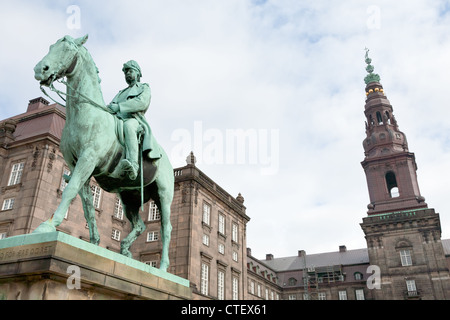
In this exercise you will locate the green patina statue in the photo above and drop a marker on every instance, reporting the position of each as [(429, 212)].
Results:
[(371, 77), (103, 142), (130, 105)]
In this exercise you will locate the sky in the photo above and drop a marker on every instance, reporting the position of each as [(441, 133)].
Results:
[(269, 95)]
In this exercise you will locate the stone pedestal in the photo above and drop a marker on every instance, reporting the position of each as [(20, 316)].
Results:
[(56, 266)]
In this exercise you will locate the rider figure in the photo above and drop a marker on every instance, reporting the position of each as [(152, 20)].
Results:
[(130, 105)]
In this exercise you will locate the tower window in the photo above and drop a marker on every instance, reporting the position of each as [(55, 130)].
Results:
[(392, 186), (379, 118)]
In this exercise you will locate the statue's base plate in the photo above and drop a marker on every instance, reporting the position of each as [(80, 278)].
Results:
[(57, 266)]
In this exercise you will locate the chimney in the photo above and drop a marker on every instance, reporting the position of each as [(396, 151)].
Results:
[(342, 248), (249, 251), (301, 253), (37, 103), (269, 256)]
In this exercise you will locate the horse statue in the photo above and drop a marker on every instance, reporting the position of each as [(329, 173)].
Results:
[(91, 147)]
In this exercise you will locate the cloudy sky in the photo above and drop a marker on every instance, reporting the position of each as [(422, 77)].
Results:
[(287, 75)]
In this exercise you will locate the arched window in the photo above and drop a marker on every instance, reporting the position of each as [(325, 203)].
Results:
[(292, 281), (391, 183), (379, 118)]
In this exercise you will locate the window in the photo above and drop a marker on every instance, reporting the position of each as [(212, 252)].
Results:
[(221, 248), (391, 183), (358, 276), (153, 212), (267, 293), (152, 236), (206, 214), (220, 285), (8, 204), (63, 185), (2, 235), (115, 234), (118, 209), (221, 223), (405, 257), (258, 292), (252, 287), (292, 297), (322, 296), (235, 256), (359, 293), (16, 174), (343, 295), (151, 263), (292, 281), (96, 194), (205, 240), (306, 296), (411, 287), (204, 286), (234, 232), (235, 288)]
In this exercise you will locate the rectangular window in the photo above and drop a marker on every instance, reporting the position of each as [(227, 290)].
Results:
[(234, 232), (118, 209), (220, 285), (153, 212), (306, 296), (152, 236), (206, 214), (258, 292), (221, 223), (252, 287), (205, 240), (2, 235), (115, 234), (405, 257), (16, 174), (322, 296), (151, 263), (359, 294), (8, 204), (292, 297), (204, 285), (221, 248), (235, 256), (235, 288), (411, 287), (64, 184), (343, 295), (96, 195)]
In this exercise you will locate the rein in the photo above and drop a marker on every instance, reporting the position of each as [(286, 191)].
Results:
[(60, 94)]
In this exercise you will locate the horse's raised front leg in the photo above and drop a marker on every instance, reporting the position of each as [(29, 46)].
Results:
[(82, 172), (89, 212), (131, 205)]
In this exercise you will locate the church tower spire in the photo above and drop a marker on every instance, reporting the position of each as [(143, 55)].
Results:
[(389, 166)]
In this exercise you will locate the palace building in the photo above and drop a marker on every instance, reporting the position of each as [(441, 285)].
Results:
[(405, 257)]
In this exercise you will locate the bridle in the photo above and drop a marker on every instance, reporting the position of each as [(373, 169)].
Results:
[(62, 81)]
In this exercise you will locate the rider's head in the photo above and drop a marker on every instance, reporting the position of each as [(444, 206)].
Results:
[(132, 72)]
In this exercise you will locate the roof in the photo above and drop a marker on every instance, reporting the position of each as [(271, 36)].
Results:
[(45, 120), (349, 257)]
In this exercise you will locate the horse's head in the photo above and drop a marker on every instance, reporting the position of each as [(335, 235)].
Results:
[(60, 60)]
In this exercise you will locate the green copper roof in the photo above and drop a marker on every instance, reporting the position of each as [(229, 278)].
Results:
[(371, 77)]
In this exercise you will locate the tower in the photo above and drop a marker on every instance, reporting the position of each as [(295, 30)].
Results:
[(403, 235)]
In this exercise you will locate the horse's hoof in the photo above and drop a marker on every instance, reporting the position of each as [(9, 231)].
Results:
[(45, 227), (126, 253), (163, 267)]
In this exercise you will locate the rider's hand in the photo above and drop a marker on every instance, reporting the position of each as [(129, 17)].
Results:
[(114, 107)]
